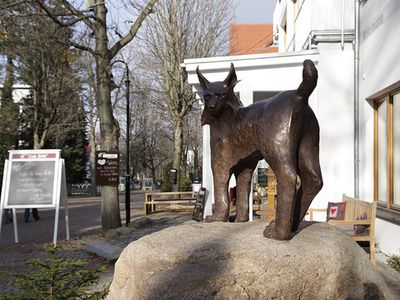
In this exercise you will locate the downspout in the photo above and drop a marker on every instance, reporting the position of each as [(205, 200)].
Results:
[(342, 29), (356, 99)]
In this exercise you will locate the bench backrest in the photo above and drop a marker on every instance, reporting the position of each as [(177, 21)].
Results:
[(356, 207), (170, 195)]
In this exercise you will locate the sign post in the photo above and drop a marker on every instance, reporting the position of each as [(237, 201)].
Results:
[(34, 179)]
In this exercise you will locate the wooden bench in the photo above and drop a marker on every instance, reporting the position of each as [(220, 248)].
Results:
[(355, 208), (269, 214), (183, 199)]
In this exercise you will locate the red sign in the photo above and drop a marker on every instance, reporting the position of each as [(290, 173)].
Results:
[(34, 156)]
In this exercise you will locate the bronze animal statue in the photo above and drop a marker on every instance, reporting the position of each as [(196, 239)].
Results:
[(283, 130)]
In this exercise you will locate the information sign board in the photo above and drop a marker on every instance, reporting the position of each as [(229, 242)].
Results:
[(107, 168), (173, 176)]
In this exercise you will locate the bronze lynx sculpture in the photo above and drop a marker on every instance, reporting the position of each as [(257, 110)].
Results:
[(283, 130)]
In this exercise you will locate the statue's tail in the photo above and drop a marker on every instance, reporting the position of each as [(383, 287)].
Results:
[(310, 78)]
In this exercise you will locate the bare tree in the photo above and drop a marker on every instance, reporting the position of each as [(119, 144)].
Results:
[(94, 21), (183, 29), (38, 47), (89, 106), (151, 136), (8, 115)]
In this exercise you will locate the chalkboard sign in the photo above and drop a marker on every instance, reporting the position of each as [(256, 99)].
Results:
[(31, 182), (33, 179)]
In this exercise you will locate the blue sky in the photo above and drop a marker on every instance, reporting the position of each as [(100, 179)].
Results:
[(255, 11)]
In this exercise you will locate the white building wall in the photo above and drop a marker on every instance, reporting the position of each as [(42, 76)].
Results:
[(335, 86), (300, 18), (335, 115), (327, 15), (303, 24), (379, 68), (19, 92)]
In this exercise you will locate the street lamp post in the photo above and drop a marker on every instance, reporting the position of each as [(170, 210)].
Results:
[(127, 175)]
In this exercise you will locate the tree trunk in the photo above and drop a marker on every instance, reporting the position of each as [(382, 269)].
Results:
[(92, 129), (35, 99), (178, 138), (92, 154), (8, 83), (110, 213)]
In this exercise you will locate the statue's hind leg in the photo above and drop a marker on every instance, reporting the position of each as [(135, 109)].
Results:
[(285, 171), (310, 175)]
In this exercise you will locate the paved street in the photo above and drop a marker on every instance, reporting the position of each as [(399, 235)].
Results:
[(84, 220)]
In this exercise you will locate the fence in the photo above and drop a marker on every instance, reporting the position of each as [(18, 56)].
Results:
[(82, 189)]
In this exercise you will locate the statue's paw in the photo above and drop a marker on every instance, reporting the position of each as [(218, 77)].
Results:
[(241, 219), (215, 218), (269, 231)]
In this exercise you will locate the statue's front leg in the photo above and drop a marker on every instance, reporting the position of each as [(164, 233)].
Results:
[(243, 188), (221, 199)]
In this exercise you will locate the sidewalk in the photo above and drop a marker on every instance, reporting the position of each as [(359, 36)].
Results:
[(85, 227)]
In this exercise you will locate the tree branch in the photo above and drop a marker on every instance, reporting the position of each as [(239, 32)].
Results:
[(148, 9), (79, 14), (84, 48)]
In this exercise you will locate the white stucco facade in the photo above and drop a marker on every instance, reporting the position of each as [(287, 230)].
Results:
[(379, 70)]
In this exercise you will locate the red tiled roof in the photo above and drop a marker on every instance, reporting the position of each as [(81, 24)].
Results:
[(251, 39)]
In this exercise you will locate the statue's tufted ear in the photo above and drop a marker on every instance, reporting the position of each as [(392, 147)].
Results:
[(231, 79), (204, 83)]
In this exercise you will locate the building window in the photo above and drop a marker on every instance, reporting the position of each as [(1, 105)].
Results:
[(387, 155)]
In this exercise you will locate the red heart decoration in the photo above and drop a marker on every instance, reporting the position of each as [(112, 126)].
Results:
[(333, 210)]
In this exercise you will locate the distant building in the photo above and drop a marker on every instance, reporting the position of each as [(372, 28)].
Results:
[(19, 92), (251, 39)]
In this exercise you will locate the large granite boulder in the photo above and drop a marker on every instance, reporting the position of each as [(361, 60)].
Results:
[(235, 261)]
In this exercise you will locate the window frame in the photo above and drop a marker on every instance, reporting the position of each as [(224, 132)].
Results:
[(387, 210)]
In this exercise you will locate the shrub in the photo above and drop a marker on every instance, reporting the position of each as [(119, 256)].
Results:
[(394, 262), (166, 184), (185, 184), (54, 277)]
